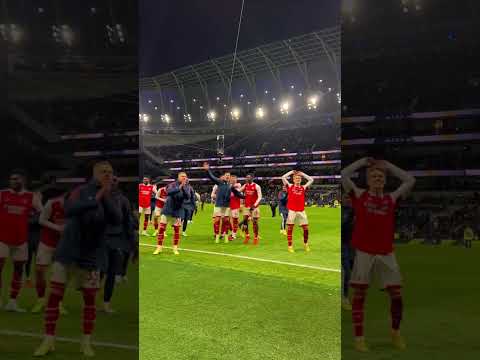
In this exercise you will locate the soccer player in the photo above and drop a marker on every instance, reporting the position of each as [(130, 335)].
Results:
[(203, 198), (52, 220), (253, 196), (234, 207), (160, 198), (120, 240), (16, 205), (296, 206), (189, 204), (372, 239), (221, 210), (172, 212), (282, 209), (145, 190), (88, 209)]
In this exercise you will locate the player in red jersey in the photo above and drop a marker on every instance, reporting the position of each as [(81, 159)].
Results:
[(253, 196), (296, 206), (145, 190), (372, 237), (16, 205), (234, 207), (52, 220), (160, 198)]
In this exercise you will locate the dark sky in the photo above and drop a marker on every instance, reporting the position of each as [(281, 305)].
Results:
[(175, 33)]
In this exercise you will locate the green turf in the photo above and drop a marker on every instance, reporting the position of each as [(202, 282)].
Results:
[(118, 328), (440, 312), (203, 306)]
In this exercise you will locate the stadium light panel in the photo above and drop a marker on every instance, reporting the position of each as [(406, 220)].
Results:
[(312, 102), (285, 107), (144, 117), (260, 112), (211, 115), (235, 113), (166, 118), (187, 117)]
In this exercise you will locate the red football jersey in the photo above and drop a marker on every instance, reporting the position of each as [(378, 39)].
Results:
[(15, 211), (144, 195), (161, 194), (296, 198), (373, 231), (235, 201), (49, 236), (251, 194)]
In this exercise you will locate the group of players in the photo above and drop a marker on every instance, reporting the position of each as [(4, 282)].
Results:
[(235, 206), (87, 234)]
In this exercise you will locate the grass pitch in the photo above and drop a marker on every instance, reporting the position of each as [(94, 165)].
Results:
[(440, 307), (206, 306)]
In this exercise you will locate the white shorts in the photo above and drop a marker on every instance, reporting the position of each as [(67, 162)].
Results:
[(17, 253), (44, 254), (158, 211), (221, 211), (294, 216), (235, 213), (83, 278), (385, 267), (164, 219), (146, 211)]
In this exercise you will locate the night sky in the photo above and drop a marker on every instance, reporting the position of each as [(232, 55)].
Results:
[(175, 33)]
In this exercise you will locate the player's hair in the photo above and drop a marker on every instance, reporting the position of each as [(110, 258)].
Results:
[(373, 168), (181, 172), (101, 163), (20, 172)]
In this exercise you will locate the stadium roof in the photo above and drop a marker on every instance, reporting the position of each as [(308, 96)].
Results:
[(297, 51)]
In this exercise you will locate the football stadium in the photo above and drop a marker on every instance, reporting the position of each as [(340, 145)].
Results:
[(410, 96), (62, 119), (257, 114)]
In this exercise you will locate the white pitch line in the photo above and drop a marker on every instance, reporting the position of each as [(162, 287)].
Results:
[(70, 340), (252, 258)]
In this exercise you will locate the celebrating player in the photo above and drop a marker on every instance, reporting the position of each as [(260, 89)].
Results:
[(52, 220), (172, 212), (234, 207), (372, 238), (221, 211), (296, 206), (160, 198), (145, 190), (88, 209), (253, 196), (16, 205)]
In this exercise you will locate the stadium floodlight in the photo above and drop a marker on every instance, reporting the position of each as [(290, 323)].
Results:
[(149, 101), (300, 94), (211, 115), (63, 34), (218, 98), (266, 91), (235, 113), (312, 102), (144, 117), (165, 118), (156, 107), (187, 117), (285, 107), (194, 100), (178, 107), (260, 112), (241, 96), (292, 86)]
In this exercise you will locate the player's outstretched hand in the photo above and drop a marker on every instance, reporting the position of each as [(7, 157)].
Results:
[(206, 166)]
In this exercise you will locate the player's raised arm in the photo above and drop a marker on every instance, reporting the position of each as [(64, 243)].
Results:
[(212, 177), (213, 195), (308, 178), (347, 173), (286, 176), (259, 193), (408, 181), (44, 218)]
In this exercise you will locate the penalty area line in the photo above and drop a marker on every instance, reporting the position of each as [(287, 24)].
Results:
[(68, 340), (252, 258)]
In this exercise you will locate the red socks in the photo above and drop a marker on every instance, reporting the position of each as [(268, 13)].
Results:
[(290, 234), (155, 223), (305, 234), (176, 234), (225, 225), (145, 222), (161, 234), (40, 282), (52, 311), (358, 302), (89, 310), (216, 225), (396, 306), (255, 227), (16, 279)]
